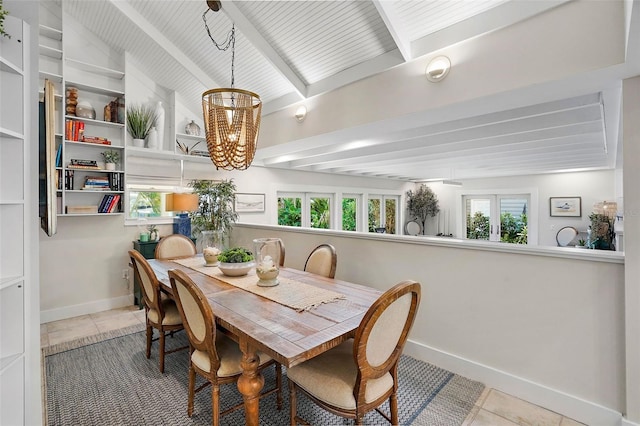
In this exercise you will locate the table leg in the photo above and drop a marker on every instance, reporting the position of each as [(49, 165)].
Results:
[(250, 384)]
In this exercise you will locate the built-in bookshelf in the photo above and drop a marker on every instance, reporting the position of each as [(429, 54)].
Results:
[(93, 122), (15, 220)]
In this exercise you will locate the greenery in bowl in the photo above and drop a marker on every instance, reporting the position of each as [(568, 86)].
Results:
[(235, 255), (111, 156), (140, 119)]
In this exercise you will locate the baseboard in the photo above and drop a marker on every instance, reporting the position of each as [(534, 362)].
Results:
[(568, 405), (626, 422), (85, 308)]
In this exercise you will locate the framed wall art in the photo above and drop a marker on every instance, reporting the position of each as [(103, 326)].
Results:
[(249, 203), (565, 206)]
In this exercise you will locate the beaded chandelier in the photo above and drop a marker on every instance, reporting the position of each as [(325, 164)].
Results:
[(231, 116)]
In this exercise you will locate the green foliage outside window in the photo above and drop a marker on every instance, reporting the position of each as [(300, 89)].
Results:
[(374, 214), (290, 211), (513, 229), (320, 214), (478, 226), (349, 214), (390, 216)]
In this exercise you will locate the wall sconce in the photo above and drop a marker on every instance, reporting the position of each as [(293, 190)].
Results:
[(301, 113), (438, 69)]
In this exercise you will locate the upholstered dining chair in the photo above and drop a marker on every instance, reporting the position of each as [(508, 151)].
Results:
[(322, 261), (175, 246), (161, 312), (213, 355), (362, 373)]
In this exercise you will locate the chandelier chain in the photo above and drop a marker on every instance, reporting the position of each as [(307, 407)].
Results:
[(230, 41)]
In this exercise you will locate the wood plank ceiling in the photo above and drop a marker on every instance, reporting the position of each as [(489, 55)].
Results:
[(290, 50)]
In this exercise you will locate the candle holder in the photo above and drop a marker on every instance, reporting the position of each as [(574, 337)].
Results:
[(267, 255)]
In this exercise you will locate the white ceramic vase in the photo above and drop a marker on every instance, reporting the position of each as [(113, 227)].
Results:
[(160, 123), (109, 166), (139, 143), (152, 139)]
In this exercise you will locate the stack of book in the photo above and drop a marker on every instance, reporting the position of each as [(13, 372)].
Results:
[(115, 181), (95, 139), (96, 183), (83, 164), (110, 203)]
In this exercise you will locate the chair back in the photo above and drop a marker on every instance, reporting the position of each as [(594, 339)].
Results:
[(197, 316), (384, 329), (148, 280), (322, 261), (175, 246)]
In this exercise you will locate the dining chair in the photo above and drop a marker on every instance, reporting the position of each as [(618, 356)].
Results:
[(322, 261), (175, 246), (362, 373), (161, 312), (214, 356)]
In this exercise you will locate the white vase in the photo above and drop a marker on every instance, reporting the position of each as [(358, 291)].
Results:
[(160, 123), (138, 143), (152, 138), (109, 166)]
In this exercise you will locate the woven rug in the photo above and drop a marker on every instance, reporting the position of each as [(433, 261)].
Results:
[(111, 382), (291, 293)]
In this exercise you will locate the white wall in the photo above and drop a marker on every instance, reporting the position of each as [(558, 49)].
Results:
[(548, 329)]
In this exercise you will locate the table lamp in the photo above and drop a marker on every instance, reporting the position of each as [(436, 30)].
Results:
[(183, 203)]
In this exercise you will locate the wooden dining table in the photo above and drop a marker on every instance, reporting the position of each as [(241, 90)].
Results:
[(285, 334)]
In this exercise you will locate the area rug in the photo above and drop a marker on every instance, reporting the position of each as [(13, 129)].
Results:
[(107, 380)]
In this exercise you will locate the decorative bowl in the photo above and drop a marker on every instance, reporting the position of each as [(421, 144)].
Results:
[(236, 269)]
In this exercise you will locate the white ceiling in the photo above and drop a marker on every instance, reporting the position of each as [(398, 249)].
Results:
[(288, 51)]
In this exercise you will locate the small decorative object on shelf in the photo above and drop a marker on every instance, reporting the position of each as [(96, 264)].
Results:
[(111, 158), (3, 13), (152, 139), (153, 232), (72, 100), (140, 120), (186, 149), (85, 110), (192, 129)]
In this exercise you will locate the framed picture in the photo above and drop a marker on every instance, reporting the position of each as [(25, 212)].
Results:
[(249, 203), (565, 206)]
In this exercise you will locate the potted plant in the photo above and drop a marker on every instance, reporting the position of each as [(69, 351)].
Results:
[(140, 119), (235, 261), (111, 158), (422, 203), (215, 211)]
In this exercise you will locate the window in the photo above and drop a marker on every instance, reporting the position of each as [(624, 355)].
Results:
[(350, 209), (290, 210), (149, 201), (383, 213), (320, 211), (497, 217)]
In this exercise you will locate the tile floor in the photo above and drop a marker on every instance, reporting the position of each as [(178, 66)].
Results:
[(493, 408)]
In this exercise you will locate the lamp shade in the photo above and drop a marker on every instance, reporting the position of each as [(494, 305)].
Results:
[(182, 202)]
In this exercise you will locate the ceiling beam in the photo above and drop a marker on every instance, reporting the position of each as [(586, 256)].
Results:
[(255, 38), (156, 35), (387, 11)]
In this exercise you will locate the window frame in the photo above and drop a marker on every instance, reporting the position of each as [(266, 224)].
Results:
[(532, 211)]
